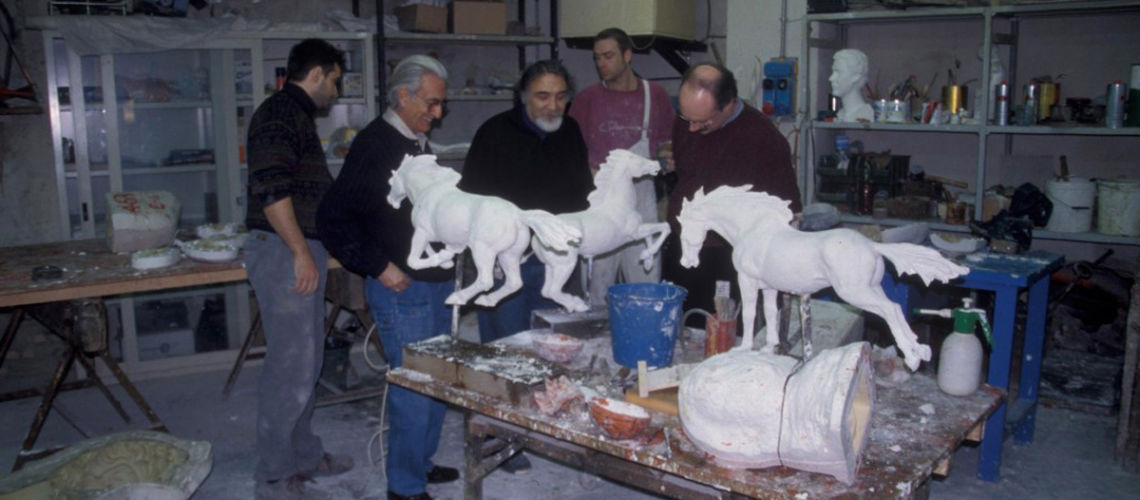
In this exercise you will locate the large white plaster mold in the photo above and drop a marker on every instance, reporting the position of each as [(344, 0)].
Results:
[(755, 410)]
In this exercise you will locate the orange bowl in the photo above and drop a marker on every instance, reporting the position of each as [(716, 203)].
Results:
[(557, 347), (618, 419)]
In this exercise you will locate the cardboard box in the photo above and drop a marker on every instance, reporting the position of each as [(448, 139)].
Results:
[(478, 17), (425, 18), (670, 18)]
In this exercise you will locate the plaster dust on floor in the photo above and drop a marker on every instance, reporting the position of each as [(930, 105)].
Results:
[(1070, 458)]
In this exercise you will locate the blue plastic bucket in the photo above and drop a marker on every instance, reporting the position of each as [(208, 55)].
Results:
[(644, 320)]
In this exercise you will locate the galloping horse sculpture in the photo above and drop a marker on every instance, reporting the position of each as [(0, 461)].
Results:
[(772, 256), (611, 221), (492, 227)]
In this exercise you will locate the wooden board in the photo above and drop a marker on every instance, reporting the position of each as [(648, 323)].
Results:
[(662, 400), (491, 369)]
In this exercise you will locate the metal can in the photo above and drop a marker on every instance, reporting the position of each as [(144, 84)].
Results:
[(1001, 104), (1032, 95), (1114, 105)]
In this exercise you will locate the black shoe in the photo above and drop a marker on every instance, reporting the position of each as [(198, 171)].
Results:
[(439, 474), (396, 496), (517, 464)]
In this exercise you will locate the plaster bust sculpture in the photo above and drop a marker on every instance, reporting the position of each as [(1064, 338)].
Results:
[(493, 228), (611, 221), (771, 256), (848, 76)]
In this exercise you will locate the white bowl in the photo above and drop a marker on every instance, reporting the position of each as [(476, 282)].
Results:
[(155, 258), (208, 251), (215, 229), (236, 240)]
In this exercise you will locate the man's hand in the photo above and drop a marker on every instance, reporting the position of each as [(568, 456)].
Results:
[(306, 276), (394, 279), (665, 156)]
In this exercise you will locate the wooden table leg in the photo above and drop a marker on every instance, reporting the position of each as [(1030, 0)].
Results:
[(92, 375), (156, 423), (45, 407), (10, 332), (472, 455), (242, 353)]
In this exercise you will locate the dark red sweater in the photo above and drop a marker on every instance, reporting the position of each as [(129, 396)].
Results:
[(748, 150)]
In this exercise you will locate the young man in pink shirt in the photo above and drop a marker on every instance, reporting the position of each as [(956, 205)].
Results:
[(627, 112)]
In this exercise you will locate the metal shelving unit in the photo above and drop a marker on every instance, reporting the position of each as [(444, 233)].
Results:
[(839, 22), (384, 40)]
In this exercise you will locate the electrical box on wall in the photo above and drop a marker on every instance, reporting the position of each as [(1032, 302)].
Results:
[(779, 87), (670, 18)]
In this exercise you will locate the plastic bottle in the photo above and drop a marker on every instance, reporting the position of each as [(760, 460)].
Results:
[(960, 360)]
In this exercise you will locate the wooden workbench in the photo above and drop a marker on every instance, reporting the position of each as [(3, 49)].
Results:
[(91, 270), (905, 446)]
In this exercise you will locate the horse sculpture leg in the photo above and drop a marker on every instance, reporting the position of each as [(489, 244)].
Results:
[(652, 243), (805, 324), (771, 320), (416, 258), (509, 262), (556, 276), (872, 299), (484, 259), (748, 293)]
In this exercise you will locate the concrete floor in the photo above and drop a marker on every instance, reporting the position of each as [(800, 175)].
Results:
[(1071, 458)]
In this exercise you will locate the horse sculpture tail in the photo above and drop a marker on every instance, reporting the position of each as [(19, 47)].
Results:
[(551, 231), (926, 262)]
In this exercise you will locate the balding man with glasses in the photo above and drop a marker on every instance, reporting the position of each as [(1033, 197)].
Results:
[(719, 140)]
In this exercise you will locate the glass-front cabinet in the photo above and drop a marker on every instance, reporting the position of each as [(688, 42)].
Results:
[(175, 120)]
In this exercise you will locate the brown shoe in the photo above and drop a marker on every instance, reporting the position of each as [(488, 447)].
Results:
[(330, 465), (292, 488)]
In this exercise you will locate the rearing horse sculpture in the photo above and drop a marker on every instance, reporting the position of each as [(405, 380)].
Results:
[(492, 227), (772, 256), (611, 221)]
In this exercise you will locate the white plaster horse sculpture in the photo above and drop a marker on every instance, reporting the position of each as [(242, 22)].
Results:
[(772, 256), (611, 221), (494, 228)]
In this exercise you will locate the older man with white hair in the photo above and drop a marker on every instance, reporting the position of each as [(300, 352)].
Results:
[(372, 239)]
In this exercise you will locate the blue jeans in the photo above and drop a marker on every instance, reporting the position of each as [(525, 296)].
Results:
[(414, 420), (294, 327), (512, 314)]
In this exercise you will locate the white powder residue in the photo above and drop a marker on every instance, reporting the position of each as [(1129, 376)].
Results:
[(927, 409), (896, 448), (416, 376)]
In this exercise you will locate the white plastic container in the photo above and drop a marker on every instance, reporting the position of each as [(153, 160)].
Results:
[(1118, 207), (960, 364), (1072, 204)]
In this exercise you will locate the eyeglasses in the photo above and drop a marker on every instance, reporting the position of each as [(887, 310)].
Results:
[(431, 103), (700, 125)]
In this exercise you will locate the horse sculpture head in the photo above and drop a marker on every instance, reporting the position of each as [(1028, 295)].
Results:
[(398, 190), (415, 173), (620, 165), (722, 209), (694, 227)]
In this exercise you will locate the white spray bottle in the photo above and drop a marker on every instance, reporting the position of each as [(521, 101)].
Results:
[(960, 360)]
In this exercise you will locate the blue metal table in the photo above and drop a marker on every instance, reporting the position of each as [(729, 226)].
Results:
[(1006, 276)]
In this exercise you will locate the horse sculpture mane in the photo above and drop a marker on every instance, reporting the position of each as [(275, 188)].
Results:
[(735, 197), (429, 167), (608, 173)]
